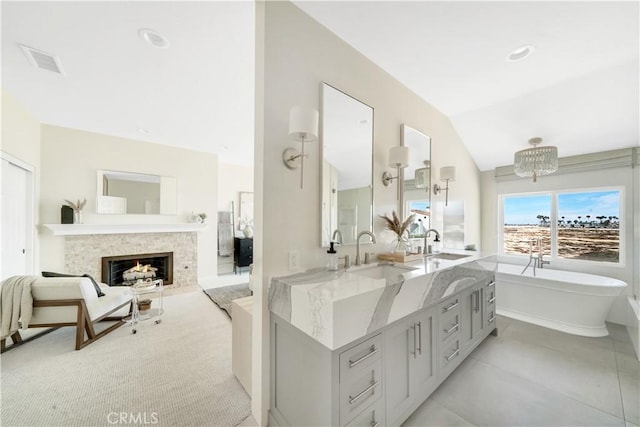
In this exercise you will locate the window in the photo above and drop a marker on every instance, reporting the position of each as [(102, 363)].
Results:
[(582, 225), (420, 224), (589, 226), (526, 218)]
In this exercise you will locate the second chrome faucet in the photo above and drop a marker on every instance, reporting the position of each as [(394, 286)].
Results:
[(362, 233)]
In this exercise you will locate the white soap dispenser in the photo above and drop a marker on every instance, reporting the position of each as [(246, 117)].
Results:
[(332, 258)]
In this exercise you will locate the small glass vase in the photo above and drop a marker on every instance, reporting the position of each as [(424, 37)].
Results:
[(402, 245), (77, 217)]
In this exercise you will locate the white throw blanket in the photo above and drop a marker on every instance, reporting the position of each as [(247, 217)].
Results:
[(16, 304)]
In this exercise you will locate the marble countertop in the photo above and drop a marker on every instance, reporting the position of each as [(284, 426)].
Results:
[(338, 307)]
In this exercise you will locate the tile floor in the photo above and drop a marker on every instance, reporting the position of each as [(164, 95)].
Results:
[(534, 376)]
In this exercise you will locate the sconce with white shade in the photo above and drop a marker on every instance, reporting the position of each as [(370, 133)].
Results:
[(303, 127), (536, 161), (447, 174), (399, 159)]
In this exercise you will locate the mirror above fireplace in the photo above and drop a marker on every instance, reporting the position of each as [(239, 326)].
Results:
[(135, 193)]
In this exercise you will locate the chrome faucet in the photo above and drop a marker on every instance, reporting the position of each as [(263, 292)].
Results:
[(337, 233), (537, 259), (362, 233), (541, 261), (426, 250)]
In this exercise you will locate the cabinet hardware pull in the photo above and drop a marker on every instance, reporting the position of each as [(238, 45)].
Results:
[(451, 307), (454, 354), (420, 338), (492, 299), (492, 284), (373, 350), (415, 340), (492, 319), (451, 329), (477, 309), (373, 385)]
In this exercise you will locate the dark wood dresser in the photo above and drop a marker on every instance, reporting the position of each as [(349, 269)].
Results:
[(242, 253)]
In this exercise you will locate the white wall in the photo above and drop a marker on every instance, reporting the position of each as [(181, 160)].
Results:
[(21, 139), (71, 158), (299, 54), (613, 176)]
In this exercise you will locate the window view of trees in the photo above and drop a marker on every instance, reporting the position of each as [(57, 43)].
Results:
[(587, 224)]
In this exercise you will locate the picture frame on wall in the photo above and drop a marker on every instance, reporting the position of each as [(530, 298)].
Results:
[(246, 210)]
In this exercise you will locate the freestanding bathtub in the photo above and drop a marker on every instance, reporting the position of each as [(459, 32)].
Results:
[(576, 303)]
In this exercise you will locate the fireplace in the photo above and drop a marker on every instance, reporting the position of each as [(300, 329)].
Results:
[(115, 267)]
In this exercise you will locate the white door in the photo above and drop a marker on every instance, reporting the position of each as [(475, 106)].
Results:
[(14, 201)]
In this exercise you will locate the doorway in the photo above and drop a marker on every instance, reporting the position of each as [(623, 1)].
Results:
[(16, 217)]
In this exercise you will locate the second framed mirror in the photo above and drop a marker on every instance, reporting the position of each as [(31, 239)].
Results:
[(416, 194)]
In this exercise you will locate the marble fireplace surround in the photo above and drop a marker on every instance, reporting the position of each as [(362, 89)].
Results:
[(85, 245)]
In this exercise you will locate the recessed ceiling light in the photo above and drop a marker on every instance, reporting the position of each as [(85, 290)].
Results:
[(154, 38), (143, 131), (518, 54)]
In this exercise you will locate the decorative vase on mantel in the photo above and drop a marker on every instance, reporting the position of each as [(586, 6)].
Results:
[(77, 216)]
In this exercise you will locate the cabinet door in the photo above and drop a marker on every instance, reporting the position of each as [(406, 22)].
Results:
[(399, 351), (410, 365), (422, 366)]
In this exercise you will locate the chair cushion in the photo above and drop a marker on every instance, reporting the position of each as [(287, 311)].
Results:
[(95, 284)]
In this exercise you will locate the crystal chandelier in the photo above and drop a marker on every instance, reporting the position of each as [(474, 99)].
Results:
[(536, 161)]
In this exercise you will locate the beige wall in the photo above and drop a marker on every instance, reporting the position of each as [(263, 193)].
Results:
[(20, 132), (71, 158), (299, 54)]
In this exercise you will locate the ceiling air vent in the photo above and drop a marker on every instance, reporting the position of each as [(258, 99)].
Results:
[(42, 60)]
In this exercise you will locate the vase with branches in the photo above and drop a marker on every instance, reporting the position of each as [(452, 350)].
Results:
[(77, 209), (400, 228)]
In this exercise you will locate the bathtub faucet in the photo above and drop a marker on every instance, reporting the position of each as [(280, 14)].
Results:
[(540, 260)]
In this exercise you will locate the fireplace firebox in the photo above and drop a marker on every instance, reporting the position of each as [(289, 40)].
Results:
[(116, 270)]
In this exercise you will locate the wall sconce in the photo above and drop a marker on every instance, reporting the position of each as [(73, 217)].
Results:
[(398, 158), (447, 173), (303, 127), (422, 176)]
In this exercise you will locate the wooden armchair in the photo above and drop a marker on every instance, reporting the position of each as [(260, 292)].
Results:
[(73, 301)]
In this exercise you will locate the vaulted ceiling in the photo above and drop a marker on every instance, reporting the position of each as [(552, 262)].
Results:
[(578, 90)]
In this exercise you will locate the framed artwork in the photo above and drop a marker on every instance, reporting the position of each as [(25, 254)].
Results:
[(246, 210)]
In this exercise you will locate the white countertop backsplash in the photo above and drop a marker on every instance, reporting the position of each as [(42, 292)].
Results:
[(338, 307)]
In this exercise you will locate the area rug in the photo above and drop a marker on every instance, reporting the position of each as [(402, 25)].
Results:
[(175, 373), (224, 295)]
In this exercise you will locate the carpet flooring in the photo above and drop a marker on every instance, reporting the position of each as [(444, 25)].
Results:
[(176, 373), (223, 296)]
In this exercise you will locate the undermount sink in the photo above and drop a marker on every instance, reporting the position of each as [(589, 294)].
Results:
[(448, 256), (383, 271)]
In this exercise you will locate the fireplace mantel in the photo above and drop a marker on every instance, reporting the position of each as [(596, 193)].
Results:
[(86, 229)]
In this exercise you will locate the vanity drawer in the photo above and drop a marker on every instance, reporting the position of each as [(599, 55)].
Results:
[(449, 306), (450, 356), (449, 325), (361, 390), (373, 416), (360, 357)]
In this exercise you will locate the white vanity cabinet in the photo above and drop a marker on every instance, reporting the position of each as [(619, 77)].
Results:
[(337, 374), (409, 364)]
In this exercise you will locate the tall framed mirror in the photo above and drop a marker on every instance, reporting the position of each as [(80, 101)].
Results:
[(347, 166), (416, 184)]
